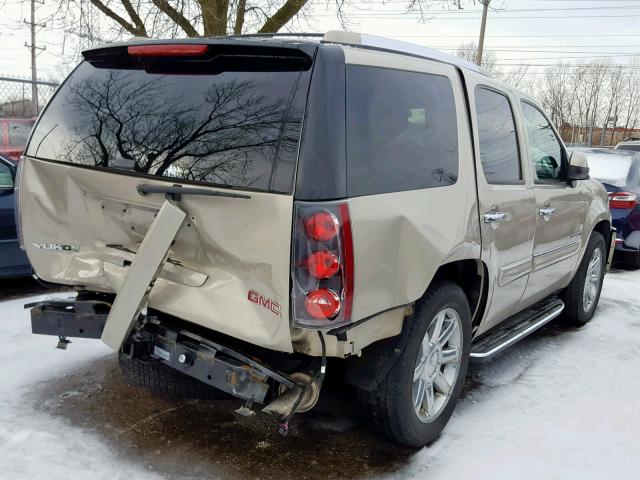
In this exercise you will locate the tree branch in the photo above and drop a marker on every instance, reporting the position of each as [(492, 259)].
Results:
[(135, 18), (177, 17), (285, 13), (240, 11), (114, 16)]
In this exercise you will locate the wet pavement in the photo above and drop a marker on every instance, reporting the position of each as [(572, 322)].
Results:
[(192, 439)]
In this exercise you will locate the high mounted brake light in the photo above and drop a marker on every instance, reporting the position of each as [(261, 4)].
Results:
[(322, 266), (168, 50), (623, 200)]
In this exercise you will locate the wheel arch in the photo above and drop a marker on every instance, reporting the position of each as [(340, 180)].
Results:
[(367, 371), (472, 276), (603, 227)]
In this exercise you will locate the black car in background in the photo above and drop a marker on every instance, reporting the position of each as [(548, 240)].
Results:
[(13, 261), (619, 171)]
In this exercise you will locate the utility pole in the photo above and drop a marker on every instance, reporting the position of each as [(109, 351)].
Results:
[(34, 48), (483, 26)]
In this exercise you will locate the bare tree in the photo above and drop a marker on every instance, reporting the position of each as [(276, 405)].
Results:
[(85, 19), (614, 93), (518, 77), (469, 52)]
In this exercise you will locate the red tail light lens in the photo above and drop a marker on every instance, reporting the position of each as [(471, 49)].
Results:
[(323, 264), (168, 50), (322, 303), (322, 226), (624, 200)]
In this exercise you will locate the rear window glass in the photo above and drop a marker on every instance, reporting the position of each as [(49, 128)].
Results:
[(18, 132), (635, 147), (497, 138), (402, 132), (236, 129)]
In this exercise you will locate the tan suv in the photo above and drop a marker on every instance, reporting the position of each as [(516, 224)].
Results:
[(234, 211)]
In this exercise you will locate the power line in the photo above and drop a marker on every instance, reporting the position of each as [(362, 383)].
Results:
[(412, 16)]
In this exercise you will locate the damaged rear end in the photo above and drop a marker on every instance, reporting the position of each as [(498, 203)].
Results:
[(159, 184)]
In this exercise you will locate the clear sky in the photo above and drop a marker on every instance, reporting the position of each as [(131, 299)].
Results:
[(537, 32)]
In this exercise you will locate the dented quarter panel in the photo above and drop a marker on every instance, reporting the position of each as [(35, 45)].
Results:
[(225, 248), (403, 238)]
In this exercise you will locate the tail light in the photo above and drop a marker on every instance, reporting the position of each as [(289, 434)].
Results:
[(624, 200), (17, 209), (322, 265)]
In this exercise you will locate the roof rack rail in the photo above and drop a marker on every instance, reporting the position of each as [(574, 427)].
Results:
[(277, 34), (397, 46)]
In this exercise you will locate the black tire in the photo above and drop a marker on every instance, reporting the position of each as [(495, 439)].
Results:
[(165, 381), (574, 310), (389, 408)]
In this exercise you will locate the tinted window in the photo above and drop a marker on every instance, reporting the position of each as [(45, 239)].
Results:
[(19, 132), (402, 132), (238, 129), (635, 147), (497, 137), (6, 177), (545, 152)]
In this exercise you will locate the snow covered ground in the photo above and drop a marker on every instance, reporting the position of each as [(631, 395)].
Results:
[(562, 404)]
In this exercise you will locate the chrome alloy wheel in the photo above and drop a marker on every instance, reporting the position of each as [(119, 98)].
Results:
[(437, 365), (592, 280)]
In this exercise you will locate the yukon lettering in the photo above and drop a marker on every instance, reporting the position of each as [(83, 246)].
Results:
[(57, 247)]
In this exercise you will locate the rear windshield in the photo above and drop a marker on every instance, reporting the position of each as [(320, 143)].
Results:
[(610, 167), (235, 129), (635, 147)]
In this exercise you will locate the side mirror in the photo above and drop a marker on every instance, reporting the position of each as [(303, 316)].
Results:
[(578, 167)]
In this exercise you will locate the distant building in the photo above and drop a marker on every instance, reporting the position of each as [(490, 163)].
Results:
[(575, 135)]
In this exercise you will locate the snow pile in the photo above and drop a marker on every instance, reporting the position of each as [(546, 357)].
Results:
[(553, 407), (33, 445)]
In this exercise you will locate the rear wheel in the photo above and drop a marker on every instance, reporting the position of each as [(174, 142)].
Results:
[(162, 380), (583, 293), (413, 403)]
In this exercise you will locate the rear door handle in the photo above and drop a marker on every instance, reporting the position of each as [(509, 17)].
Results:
[(493, 217), (546, 211)]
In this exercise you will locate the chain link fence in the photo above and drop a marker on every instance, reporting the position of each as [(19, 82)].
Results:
[(16, 96)]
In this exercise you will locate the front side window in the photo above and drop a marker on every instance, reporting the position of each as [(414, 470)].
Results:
[(402, 131), (545, 151), (497, 138)]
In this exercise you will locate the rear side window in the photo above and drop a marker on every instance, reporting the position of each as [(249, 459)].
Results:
[(497, 137), (226, 128), (402, 132)]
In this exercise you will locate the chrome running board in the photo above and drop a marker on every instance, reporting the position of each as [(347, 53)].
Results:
[(521, 325)]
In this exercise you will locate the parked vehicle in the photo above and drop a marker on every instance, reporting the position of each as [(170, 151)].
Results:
[(619, 172), (301, 199), (633, 145), (14, 133), (13, 261)]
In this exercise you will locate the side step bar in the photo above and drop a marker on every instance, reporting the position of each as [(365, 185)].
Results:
[(522, 324)]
